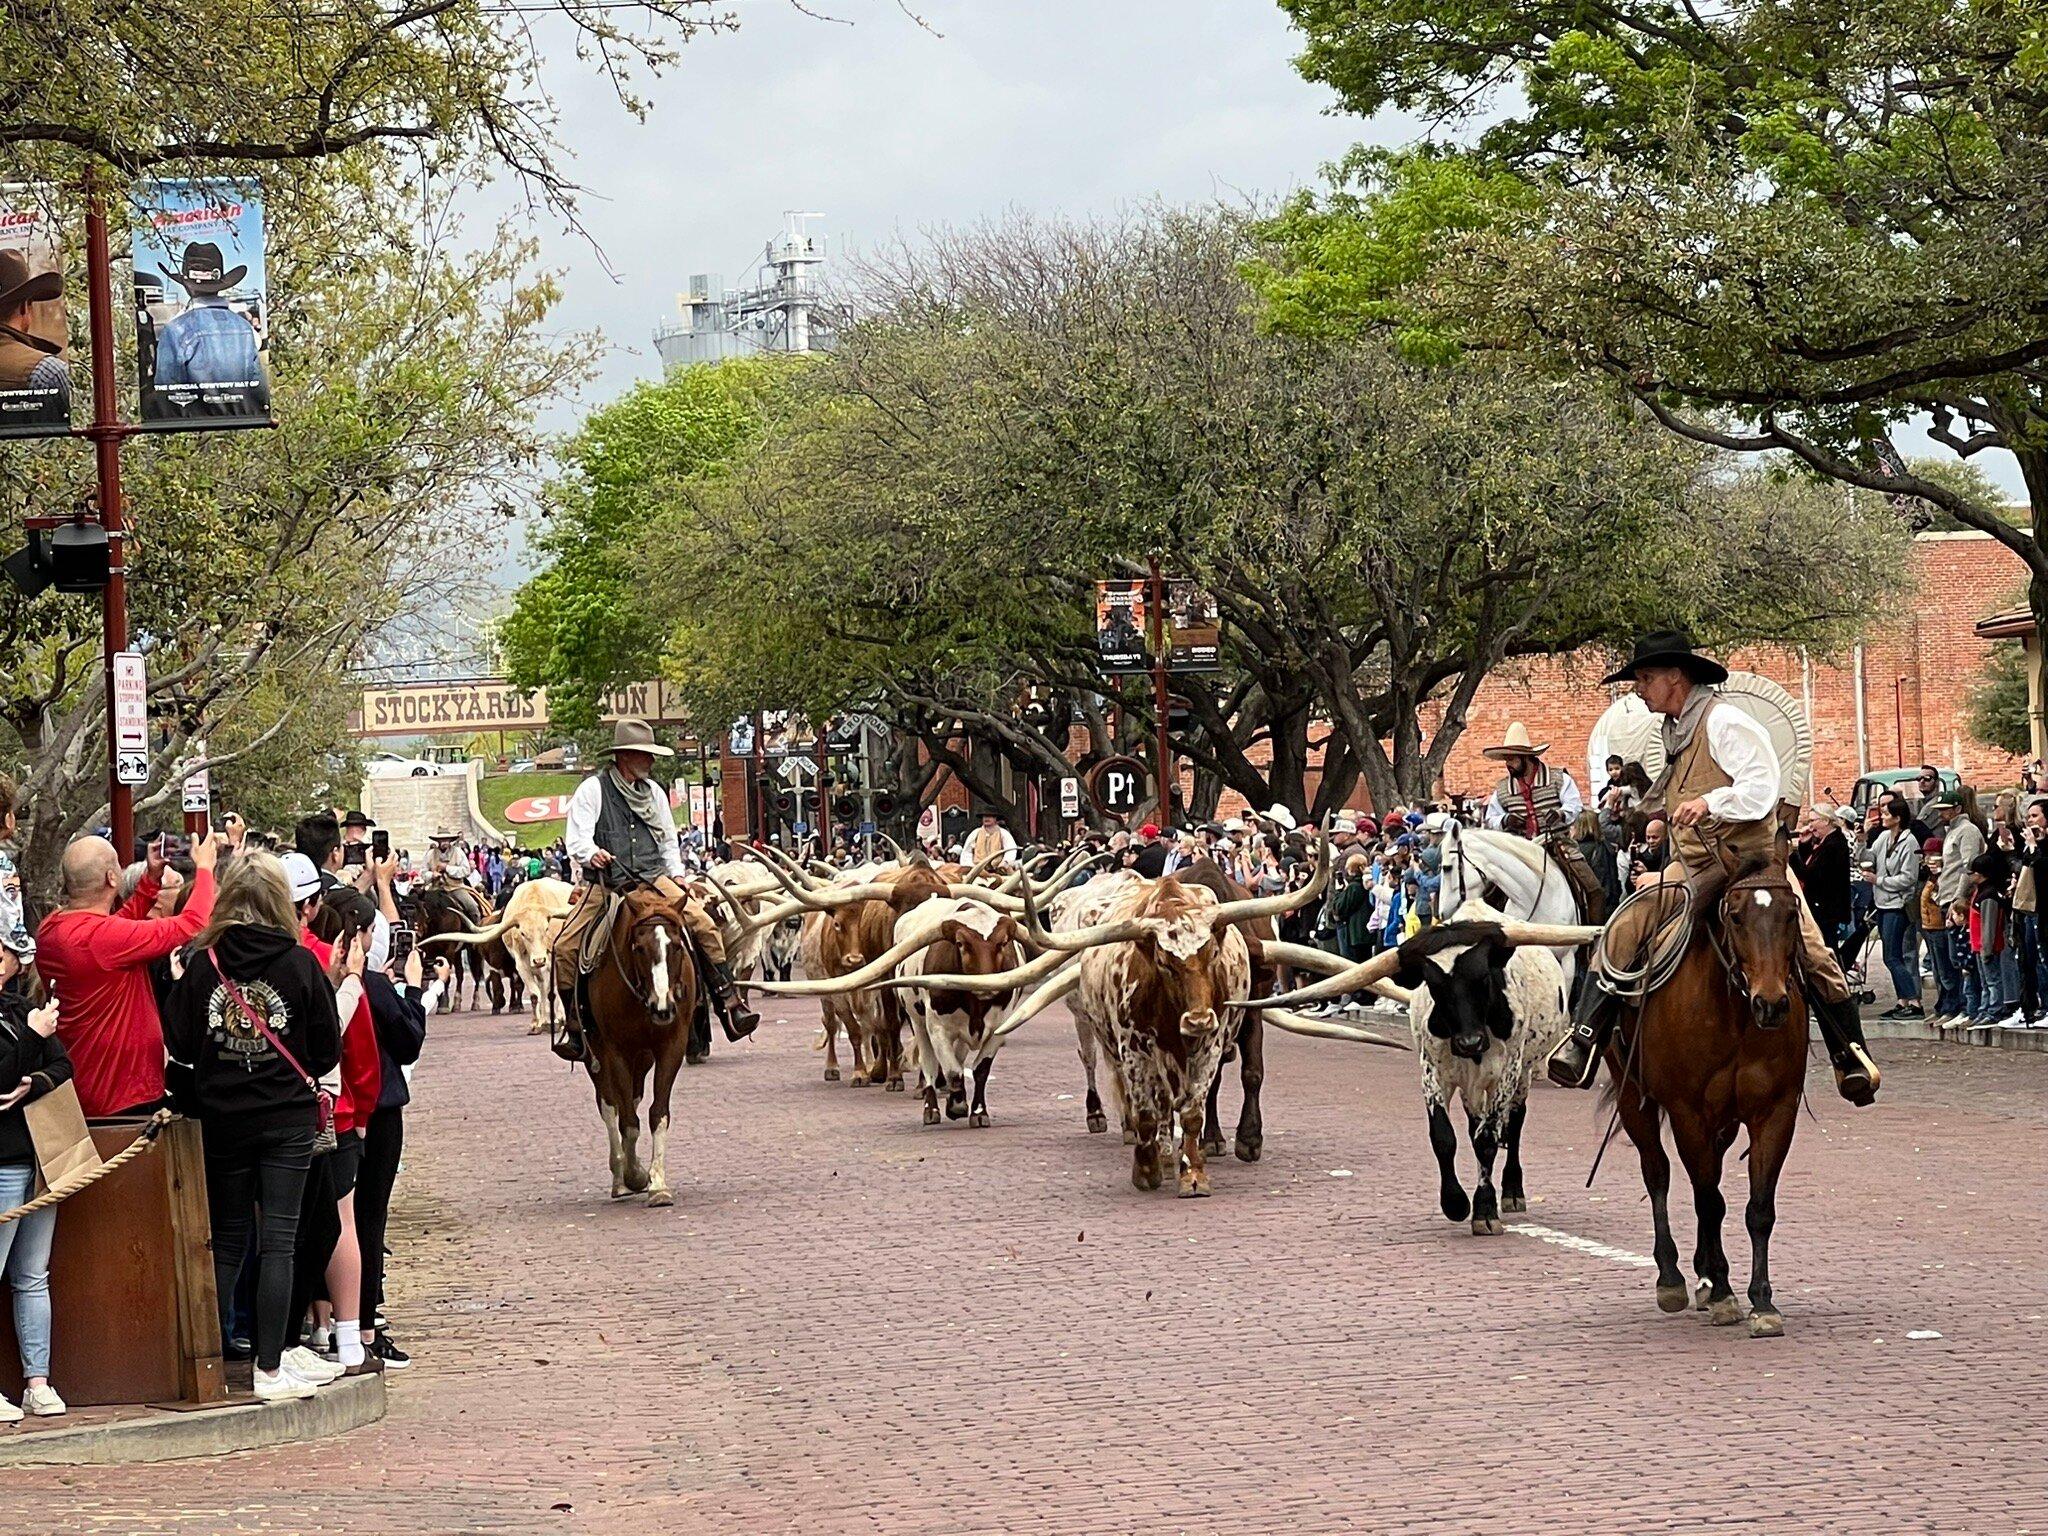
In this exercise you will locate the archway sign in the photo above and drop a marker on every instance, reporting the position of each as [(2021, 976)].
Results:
[(1119, 785)]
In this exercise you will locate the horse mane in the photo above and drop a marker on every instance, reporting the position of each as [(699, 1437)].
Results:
[(1529, 855)]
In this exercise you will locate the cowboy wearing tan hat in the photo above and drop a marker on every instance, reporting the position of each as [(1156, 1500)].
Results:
[(1534, 799), (622, 831)]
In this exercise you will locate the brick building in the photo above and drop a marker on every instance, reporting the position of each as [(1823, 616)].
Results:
[(1897, 699)]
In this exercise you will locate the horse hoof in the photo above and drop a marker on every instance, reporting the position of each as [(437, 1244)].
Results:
[(931, 1114), (1673, 1298), (1193, 1187), (1766, 1325), (1513, 1205), (978, 1118), (894, 1085), (1212, 1146), (831, 1074), (1724, 1313), (1486, 1226), (1247, 1151), (619, 1191), (657, 1198), (1097, 1124), (1455, 1206)]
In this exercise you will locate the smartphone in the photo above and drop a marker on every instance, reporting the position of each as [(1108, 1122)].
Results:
[(355, 853), (402, 940), (175, 847), (380, 844)]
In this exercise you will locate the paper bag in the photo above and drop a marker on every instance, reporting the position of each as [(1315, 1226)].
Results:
[(64, 1145)]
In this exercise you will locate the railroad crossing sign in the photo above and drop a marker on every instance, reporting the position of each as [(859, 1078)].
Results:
[(1117, 785)]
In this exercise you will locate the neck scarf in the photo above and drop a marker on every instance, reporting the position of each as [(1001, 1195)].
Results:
[(1679, 728), (640, 799)]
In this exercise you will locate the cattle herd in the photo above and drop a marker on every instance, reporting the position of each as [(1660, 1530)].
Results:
[(922, 970)]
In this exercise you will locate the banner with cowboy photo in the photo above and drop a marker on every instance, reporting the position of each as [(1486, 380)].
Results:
[(202, 317), (1194, 628), (35, 368)]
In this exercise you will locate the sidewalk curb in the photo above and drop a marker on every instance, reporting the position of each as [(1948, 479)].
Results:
[(1983, 1039), (172, 1434)]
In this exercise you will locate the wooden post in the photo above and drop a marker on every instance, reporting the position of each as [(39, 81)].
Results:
[(1162, 749), (105, 432)]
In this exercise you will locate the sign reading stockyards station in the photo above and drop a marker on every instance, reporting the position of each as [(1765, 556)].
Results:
[(492, 704)]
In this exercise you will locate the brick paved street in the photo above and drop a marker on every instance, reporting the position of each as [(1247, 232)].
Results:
[(850, 1322)]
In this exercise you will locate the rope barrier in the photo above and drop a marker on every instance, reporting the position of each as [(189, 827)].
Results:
[(63, 1190)]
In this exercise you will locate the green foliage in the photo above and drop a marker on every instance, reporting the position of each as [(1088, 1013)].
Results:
[(1784, 229), (1997, 712), (578, 627)]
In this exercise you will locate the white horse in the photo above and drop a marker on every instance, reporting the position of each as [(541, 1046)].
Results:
[(1532, 887)]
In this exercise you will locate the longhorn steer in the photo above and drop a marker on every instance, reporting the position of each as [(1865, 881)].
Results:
[(954, 1030), (526, 929)]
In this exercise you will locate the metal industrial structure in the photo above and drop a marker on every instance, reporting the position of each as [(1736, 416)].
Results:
[(783, 312)]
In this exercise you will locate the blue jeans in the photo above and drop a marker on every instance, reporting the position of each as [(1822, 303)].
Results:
[(1948, 976), (25, 1250), (1900, 932)]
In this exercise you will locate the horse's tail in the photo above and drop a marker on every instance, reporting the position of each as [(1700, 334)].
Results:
[(479, 936)]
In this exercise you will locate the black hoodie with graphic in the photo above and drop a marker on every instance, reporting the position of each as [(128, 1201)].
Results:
[(238, 1080)]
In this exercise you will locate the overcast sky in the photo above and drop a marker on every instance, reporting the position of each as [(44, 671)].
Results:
[(881, 127)]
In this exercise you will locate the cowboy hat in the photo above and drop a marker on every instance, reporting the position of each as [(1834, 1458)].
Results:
[(19, 286), (631, 734), (1279, 815), (357, 819), (1515, 743), (200, 270), (445, 836), (1669, 648)]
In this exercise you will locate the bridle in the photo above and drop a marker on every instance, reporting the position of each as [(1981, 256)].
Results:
[(622, 948), (1769, 880)]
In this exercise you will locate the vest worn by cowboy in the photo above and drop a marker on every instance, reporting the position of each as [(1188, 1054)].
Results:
[(1704, 855), (1533, 808)]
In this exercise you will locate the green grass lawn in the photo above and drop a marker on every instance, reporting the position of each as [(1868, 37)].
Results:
[(500, 790)]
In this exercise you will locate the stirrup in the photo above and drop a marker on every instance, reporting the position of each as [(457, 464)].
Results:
[(1576, 1061), (1856, 1076)]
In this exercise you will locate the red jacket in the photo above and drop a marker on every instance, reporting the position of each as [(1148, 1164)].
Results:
[(98, 963), (362, 1071)]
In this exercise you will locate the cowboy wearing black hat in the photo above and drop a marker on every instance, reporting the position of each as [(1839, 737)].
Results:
[(29, 361), (209, 342), (1719, 791), (623, 830)]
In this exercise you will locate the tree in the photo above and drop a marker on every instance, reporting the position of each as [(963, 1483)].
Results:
[(1027, 408), (212, 86), (1780, 229), (1998, 712), (577, 627), (409, 362)]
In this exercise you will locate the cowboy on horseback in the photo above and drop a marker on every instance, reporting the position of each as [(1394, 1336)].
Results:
[(1539, 802), (1719, 791), (623, 832)]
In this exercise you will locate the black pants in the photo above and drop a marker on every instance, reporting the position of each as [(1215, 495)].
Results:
[(243, 1170), (319, 1231), (383, 1142)]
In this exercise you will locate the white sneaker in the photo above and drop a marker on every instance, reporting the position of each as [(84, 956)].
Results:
[(9, 1414), (307, 1366), (2017, 1019), (281, 1387), (43, 1402), (320, 1341)]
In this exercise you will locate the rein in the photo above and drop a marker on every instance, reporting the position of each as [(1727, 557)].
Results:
[(622, 951)]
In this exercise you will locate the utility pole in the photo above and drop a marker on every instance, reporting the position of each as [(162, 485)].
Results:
[(106, 432), (1162, 750)]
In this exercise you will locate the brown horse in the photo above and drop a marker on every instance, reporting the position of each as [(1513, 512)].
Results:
[(1721, 1046), (439, 910), (641, 998)]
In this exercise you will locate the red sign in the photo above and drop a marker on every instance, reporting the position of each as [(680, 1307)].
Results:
[(556, 807)]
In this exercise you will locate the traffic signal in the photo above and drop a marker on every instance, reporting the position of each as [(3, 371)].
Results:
[(845, 808)]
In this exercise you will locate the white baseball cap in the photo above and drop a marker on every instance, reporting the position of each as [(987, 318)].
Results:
[(300, 874)]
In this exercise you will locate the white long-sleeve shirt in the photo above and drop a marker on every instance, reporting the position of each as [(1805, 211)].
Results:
[(1569, 801), (1741, 748), (581, 837)]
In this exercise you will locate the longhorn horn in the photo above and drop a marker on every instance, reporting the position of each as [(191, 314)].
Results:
[(795, 883), (882, 965), (981, 866), (474, 936), (1325, 1029), (894, 846), (822, 869), (1352, 978), (1120, 931), (1251, 908), (995, 981), (1058, 986), (988, 896), (1549, 935)]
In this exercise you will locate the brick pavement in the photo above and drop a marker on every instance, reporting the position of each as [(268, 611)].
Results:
[(852, 1323)]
